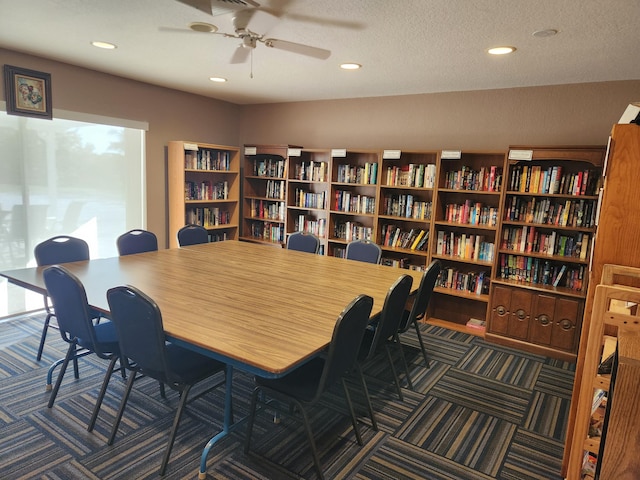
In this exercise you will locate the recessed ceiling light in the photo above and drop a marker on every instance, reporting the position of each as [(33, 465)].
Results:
[(548, 32), (350, 66), (203, 27), (501, 50), (105, 45), (218, 79)]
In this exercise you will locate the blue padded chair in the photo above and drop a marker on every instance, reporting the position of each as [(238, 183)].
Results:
[(137, 241), (142, 342), (192, 235), (385, 328), (303, 242), (420, 304), (76, 326), (304, 386), (55, 250), (363, 251)]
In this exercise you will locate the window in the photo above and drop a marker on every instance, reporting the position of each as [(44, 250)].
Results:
[(75, 175)]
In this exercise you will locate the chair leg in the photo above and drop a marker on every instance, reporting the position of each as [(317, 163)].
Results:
[(252, 415), (354, 420), (76, 370), (103, 390), (396, 340), (123, 404), (174, 429), (367, 398), (424, 350), (395, 374), (43, 337), (71, 352), (312, 442)]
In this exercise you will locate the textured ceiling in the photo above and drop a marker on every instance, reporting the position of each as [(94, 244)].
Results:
[(405, 46)]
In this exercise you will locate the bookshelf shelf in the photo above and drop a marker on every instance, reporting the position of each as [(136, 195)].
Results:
[(203, 188)]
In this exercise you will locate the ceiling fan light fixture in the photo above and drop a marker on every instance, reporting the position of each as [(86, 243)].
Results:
[(218, 79), (203, 27), (104, 45), (501, 50), (350, 66)]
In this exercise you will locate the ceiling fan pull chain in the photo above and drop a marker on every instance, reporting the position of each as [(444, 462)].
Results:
[(251, 55)]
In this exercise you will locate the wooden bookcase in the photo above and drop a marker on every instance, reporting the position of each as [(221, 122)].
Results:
[(308, 193), (265, 193), (466, 220), (615, 306), (405, 206), (353, 198), (544, 244), (204, 189)]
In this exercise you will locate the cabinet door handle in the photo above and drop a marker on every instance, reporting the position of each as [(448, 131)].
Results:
[(565, 324), (521, 314), (500, 310), (544, 319)]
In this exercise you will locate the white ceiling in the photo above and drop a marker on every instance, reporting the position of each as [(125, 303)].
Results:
[(405, 46)]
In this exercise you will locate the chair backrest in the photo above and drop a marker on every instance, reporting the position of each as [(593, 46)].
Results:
[(61, 249), (137, 241), (363, 251), (391, 314), (70, 301), (345, 341), (192, 235), (141, 337), (303, 242), (423, 295)]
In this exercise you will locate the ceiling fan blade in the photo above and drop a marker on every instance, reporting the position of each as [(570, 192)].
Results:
[(307, 50), (220, 7), (241, 55)]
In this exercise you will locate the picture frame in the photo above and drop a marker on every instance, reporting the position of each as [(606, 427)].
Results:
[(27, 92)]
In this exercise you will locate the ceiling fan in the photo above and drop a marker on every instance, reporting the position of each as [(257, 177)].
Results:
[(248, 20)]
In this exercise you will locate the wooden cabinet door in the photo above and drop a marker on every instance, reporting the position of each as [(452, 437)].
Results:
[(543, 315), (565, 320), (520, 314), (500, 304)]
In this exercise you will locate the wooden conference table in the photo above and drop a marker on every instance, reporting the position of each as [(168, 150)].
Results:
[(263, 310)]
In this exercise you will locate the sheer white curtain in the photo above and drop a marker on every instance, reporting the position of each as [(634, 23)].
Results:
[(76, 175)]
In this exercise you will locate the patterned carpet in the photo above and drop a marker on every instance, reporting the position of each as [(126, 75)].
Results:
[(480, 412)]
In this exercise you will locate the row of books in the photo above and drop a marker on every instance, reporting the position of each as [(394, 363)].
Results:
[(306, 199), (527, 239), (316, 226), (266, 231), (218, 236), (207, 160), (412, 175), (472, 282), (540, 271), (267, 209), (349, 231), (570, 213), (553, 180), (366, 174), (311, 171), (269, 167), (275, 189), (407, 206), (486, 179), (464, 245), (471, 213), (404, 262), (207, 217), (347, 201), (206, 190), (413, 239)]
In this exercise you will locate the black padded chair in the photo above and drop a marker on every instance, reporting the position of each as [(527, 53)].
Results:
[(304, 386), (137, 241), (56, 250), (420, 304), (142, 342), (303, 242), (76, 326), (385, 328), (192, 235), (363, 251)]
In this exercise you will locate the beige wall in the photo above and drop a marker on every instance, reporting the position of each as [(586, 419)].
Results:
[(481, 120)]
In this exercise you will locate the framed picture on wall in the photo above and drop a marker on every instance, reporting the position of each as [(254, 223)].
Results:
[(27, 92)]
